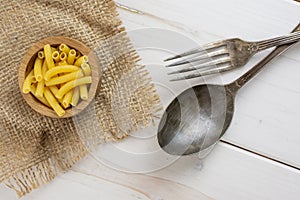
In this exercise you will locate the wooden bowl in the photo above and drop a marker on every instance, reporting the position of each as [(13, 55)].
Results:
[(26, 66)]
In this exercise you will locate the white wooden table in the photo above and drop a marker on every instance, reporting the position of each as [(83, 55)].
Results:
[(259, 156)]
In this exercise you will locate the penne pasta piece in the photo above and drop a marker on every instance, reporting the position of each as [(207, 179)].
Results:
[(27, 82), (40, 89), (64, 48), (62, 63), (71, 56), (53, 103), (75, 97), (82, 59), (78, 55), (83, 92), (67, 99), (40, 85), (72, 84), (86, 69), (64, 78), (33, 79), (63, 56), (37, 68), (53, 49), (59, 69), (54, 90), (48, 56), (55, 56), (41, 99), (41, 55)]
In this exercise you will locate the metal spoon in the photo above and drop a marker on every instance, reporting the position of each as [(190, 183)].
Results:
[(197, 118)]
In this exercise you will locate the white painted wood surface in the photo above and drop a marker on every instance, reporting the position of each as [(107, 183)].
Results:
[(267, 109), (266, 119), (228, 173)]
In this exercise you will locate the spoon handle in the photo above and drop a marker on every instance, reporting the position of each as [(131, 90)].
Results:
[(240, 82)]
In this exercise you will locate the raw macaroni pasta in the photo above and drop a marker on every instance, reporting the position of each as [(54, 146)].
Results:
[(59, 78), (48, 56), (40, 85), (71, 56), (58, 70)]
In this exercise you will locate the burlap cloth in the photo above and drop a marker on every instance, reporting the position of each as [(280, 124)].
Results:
[(35, 148)]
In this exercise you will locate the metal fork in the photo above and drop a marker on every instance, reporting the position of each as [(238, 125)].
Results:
[(224, 55)]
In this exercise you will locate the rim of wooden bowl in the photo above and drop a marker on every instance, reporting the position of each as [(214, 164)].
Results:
[(27, 64)]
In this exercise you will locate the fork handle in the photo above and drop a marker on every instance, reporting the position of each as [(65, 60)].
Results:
[(277, 41), (240, 82)]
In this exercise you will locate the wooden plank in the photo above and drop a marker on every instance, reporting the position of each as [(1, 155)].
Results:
[(231, 173), (78, 186), (109, 184), (228, 173)]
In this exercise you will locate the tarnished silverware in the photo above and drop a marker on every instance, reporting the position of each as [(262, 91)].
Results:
[(224, 55), (197, 118)]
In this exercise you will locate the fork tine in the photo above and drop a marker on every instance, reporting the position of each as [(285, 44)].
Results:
[(182, 62), (204, 73), (201, 49), (203, 65), (202, 57)]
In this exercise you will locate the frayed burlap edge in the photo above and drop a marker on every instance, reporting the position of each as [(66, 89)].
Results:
[(28, 179), (25, 179)]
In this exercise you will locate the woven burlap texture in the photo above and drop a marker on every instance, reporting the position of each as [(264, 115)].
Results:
[(35, 148)]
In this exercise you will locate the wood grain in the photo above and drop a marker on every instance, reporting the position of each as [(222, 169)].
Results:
[(26, 66), (228, 173)]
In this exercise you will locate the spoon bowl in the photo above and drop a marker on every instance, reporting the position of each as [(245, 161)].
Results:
[(196, 119)]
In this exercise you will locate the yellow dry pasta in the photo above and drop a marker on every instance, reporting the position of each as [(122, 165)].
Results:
[(37, 68), (53, 102), (72, 84), (48, 56), (86, 69), (63, 56), (67, 99), (64, 62), (41, 99), (64, 78), (59, 69), (53, 49), (82, 59), (64, 48), (55, 56), (33, 79), (78, 55), (40, 85), (54, 90), (83, 92), (41, 55), (75, 97), (27, 82), (71, 56), (40, 89)]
